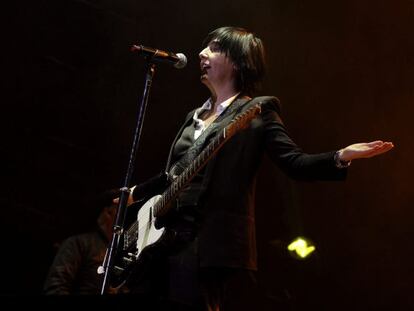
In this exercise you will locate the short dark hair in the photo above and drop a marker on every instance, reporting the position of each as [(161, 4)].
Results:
[(103, 200), (246, 51)]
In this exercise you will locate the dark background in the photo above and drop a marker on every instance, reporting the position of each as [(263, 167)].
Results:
[(343, 71)]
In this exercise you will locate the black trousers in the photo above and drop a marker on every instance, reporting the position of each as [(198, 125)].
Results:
[(176, 282)]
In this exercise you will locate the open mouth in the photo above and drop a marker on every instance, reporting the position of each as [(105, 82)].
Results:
[(204, 70), (204, 67)]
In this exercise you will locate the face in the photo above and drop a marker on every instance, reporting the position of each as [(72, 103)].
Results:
[(216, 68)]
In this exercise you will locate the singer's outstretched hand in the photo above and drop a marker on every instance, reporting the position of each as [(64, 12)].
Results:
[(364, 150)]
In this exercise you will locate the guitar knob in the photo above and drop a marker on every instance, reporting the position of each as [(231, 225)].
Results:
[(132, 255), (126, 259)]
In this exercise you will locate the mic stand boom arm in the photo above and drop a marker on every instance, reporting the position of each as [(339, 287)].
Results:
[(122, 205)]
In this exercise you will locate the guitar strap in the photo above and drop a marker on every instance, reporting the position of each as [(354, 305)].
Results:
[(199, 143)]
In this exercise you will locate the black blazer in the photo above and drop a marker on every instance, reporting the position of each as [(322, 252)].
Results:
[(226, 196)]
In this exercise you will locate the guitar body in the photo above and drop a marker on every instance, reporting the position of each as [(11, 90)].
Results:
[(140, 243), (148, 234)]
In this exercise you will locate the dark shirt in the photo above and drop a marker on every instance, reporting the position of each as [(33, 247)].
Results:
[(74, 269)]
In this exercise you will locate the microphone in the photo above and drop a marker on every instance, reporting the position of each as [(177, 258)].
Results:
[(178, 60)]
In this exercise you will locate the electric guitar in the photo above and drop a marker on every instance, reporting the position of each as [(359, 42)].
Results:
[(144, 234)]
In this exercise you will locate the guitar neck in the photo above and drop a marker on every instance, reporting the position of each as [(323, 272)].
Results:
[(162, 206)]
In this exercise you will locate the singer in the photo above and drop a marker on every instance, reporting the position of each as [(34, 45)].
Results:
[(213, 265)]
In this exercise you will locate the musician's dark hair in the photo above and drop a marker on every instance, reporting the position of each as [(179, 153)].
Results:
[(103, 200), (247, 53)]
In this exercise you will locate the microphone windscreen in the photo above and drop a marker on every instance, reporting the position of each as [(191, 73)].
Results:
[(182, 61)]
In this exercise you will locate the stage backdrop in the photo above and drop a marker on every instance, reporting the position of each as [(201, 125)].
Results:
[(343, 71)]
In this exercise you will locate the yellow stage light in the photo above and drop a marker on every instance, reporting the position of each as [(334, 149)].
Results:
[(301, 247)]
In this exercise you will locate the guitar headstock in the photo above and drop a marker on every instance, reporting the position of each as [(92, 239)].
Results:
[(242, 120)]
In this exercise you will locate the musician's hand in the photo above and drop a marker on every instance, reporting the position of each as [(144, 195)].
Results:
[(364, 150), (130, 198)]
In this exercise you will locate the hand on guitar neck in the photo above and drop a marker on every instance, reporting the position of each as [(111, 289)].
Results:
[(130, 198)]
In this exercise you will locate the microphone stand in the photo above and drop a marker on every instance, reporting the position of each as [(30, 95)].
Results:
[(118, 229)]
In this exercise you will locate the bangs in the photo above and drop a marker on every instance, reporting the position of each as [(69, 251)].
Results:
[(231, 41)]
